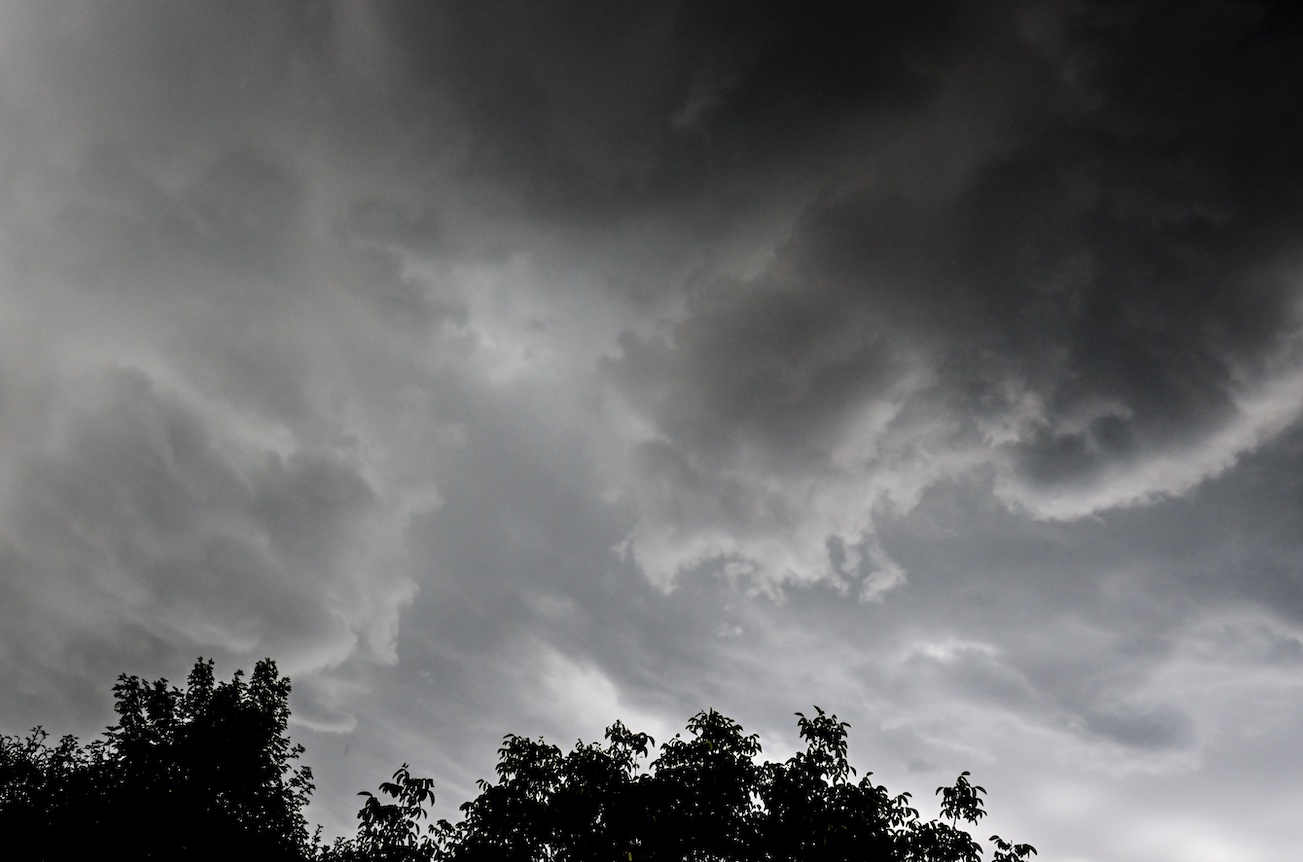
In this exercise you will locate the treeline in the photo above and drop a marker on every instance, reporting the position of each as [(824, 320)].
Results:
[(209, 772)]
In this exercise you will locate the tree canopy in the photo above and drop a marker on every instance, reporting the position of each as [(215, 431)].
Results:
[(705, 798), (209, 771)]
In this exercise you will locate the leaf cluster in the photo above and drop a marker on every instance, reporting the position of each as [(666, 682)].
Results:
[(205, 770)]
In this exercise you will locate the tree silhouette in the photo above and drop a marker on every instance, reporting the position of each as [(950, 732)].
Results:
[(705, 799), (204, 771), (209, 772), (389, 832)]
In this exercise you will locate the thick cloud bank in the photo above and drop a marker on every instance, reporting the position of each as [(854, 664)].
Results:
[(519, 367)]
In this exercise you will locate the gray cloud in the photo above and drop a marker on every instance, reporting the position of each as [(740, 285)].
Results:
[(1116, 330), (190, 540), (509, 368)]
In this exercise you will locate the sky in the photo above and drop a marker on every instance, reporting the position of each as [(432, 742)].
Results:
[(515, 367)]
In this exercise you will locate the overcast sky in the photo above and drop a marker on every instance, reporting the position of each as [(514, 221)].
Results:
[(519, 366)]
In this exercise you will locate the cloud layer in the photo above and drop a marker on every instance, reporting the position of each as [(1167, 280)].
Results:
[(507, 367)]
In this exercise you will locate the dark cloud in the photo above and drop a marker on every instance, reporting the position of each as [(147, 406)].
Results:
[(1141, 728), (517, 368), (592, 111), (1080, 288), (769, 372)]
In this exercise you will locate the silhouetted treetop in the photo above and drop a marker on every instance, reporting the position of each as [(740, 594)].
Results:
[(209, 772), (704, 798)]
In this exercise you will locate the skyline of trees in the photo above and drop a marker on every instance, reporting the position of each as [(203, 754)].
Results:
[(210, 770)]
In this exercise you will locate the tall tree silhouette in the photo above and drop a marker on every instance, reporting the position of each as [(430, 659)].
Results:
[(208, 770)]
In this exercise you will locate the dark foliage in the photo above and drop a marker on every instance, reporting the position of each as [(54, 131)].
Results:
[(704, 799), (209, 772), (388, 831)]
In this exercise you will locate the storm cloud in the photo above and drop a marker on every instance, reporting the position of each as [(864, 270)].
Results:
[(516, 367)]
